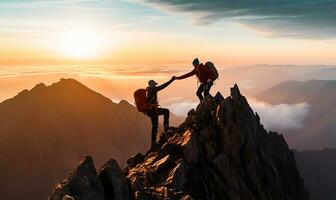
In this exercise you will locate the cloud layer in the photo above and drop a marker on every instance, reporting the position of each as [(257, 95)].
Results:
[(282, 116), (273, 117), (278, 18)]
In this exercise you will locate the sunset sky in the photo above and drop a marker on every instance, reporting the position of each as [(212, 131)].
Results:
[(154, 33), (137, 39)]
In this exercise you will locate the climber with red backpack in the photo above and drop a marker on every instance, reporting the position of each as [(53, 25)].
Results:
[(206, 74), (146, 102)]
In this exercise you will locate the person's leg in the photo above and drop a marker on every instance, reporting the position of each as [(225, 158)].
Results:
[(200, 91), (207, 89), (165, 113), (155, 120)]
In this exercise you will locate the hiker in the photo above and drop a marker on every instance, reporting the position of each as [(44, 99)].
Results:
[(206, 75), (151, 106)]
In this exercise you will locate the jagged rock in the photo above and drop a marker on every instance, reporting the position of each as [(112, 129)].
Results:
[(218, 97), (135, 159), (190, 147), (67, 197), (114, 181), (163, 164), (82, 184), (210, 150), (221, 151), (178, 176)]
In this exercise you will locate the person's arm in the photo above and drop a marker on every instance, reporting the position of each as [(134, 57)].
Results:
[(163, 86), (193, 72)]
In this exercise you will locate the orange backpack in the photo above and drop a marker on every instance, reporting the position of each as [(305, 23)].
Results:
[(141, 102)]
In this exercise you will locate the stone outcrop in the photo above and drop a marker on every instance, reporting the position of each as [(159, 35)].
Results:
[(83, 183), (221, 151)]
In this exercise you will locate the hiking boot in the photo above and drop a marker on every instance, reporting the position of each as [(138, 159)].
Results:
[(166, 127)]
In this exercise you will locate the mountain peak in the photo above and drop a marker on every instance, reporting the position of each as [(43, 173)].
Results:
[(51, 127), (65, 90), (39, 86), (68, 81), (124, 102), (221, 151)]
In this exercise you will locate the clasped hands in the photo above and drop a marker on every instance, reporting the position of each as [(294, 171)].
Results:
[(174, 78)]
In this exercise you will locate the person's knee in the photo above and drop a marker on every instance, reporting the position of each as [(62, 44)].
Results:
[(199, 95)]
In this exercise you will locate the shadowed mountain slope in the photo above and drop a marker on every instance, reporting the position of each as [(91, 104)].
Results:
[(319, 128), (317, 167), (46, 130), (221, 151)]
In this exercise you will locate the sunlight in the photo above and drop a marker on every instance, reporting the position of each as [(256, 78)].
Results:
[(80, 44)]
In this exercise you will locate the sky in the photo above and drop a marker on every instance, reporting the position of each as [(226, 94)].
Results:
[(165, 32), (115, 46)]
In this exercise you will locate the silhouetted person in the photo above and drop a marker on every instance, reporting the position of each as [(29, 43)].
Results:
[(203, 74), (154, 112)]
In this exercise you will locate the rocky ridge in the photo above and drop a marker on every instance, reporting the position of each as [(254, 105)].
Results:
[(221, 151)]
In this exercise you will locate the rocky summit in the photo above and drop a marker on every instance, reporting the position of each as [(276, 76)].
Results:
[(221, 151)]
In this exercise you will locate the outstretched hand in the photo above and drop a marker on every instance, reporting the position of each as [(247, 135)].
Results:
[(174, 78)]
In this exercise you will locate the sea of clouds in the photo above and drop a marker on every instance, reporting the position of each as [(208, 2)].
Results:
[(273, 117)]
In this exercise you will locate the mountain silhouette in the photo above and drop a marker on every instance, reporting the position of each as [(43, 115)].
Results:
[(221, 151), (319, 128), (46, 130)]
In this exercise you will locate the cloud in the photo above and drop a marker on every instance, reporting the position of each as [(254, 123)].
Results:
[(273, 117), (246, 84), (282, 116), (147, 71), (277, 18), (182, 108)]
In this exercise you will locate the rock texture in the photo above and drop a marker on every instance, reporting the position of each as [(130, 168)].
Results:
[(221, 151), (83, 183)]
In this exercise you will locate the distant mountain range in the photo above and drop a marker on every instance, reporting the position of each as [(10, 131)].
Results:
[(46, 130), (326, 73), (319, 130)]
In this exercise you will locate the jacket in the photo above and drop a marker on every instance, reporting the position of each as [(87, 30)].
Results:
[(202, 72), (152, 92)]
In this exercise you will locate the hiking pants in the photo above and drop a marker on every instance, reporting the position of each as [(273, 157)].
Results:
[(154, 115), (204, 88)]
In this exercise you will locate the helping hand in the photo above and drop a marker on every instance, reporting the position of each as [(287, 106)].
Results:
[(174, 78)]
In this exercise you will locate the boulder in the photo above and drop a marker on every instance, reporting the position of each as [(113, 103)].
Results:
[(137, 158), (114, 181), (190, 147), (82, 184), (178, 176)]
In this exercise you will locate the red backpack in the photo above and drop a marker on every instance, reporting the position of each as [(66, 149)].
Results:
[(214, 73), (141, 102)]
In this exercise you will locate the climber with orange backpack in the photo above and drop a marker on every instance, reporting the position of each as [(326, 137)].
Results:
[(146, 102), (206, 74)]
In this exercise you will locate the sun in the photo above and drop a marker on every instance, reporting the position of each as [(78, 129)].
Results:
[(80, 44)]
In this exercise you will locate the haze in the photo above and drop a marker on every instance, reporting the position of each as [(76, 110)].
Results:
[(115, 46)]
